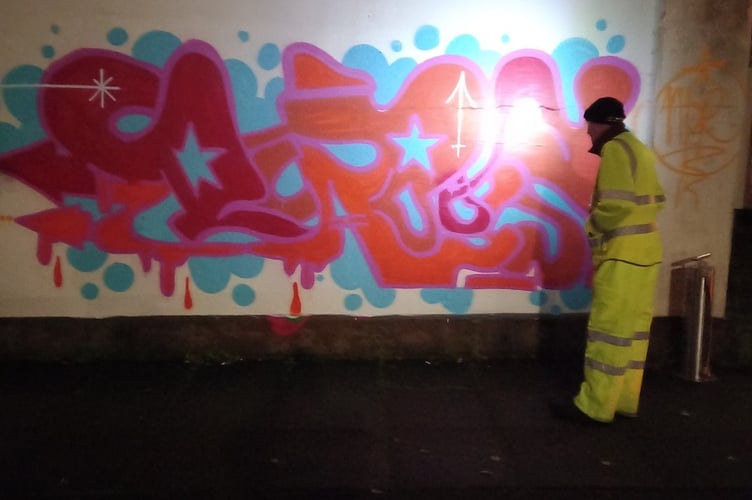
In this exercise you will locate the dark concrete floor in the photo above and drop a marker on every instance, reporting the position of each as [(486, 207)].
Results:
[(314, 429)]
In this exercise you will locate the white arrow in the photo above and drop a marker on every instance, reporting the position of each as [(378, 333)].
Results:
[(460, 90)]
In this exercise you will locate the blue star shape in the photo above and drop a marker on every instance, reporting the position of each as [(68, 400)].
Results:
[(416, 147), (195, 160)]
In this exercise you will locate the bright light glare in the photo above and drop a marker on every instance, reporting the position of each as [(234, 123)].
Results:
[(524, 122)]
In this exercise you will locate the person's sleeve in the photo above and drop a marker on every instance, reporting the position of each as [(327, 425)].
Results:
[(614, 188)]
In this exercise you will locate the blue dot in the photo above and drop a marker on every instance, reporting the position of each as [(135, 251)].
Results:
[(244, 36), (48, 52), (538, 298), (616, 44), (118, 277), (397, 46), (155, 47), (579, 297), (353, 302), (55, 29), (269, 56), (427, 37), (87, 259), (601, 25), (505, 39), (134, 123), (90, 291), (117, 36), (243, 295)]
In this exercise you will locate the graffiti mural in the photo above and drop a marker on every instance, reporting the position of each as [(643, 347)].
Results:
[(467, 171)]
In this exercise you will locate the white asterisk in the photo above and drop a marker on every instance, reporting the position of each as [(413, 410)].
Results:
[(103, 88)]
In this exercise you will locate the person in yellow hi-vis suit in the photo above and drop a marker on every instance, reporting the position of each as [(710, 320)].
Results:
[(627, 252)]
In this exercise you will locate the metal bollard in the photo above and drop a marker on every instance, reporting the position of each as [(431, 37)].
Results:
[(691, 299)]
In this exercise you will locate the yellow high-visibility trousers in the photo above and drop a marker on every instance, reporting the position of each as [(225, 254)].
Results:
[(618, 337)]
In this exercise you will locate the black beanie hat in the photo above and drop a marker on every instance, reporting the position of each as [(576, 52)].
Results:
[(605, 110)]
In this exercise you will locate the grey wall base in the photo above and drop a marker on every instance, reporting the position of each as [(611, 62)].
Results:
[(207, 339)]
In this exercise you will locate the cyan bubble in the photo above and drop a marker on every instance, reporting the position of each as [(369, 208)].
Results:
[(90, 291), (577, 298), (616, 44), (468, 46), (243, 295), (55, 29), (353, 302), (397, 46), (454, 300), (117, 36), (48, 52), (244, 36), (269, 56), (388, 77), (155, 47), (89, 258), (601, 25), (133, 123), (427, 37), (538, 298), (212, 274), (119, 277)]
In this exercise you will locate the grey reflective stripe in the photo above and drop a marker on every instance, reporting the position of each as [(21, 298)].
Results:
[(595, 336), (630, 230), (603, 367), (630, 153), (636, 365), (617, 194), (649, 199), (641, 336)]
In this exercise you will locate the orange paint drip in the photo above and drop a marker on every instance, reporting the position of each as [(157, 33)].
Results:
[(295, 305), (58, 274), (187, 298)]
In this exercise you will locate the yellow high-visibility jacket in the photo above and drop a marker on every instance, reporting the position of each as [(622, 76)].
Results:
[(626, 201)]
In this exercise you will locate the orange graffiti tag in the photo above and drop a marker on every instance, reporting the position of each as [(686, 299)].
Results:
[(698, 112)]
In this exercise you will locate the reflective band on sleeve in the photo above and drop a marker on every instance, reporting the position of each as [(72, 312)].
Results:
[(618, 194), (630, 230), (641, 336), (649, 199), (623, 231), (603, 367), (595, 336)]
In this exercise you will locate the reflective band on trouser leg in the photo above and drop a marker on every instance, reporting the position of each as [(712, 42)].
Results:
[(629, 399), (616, 291)]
